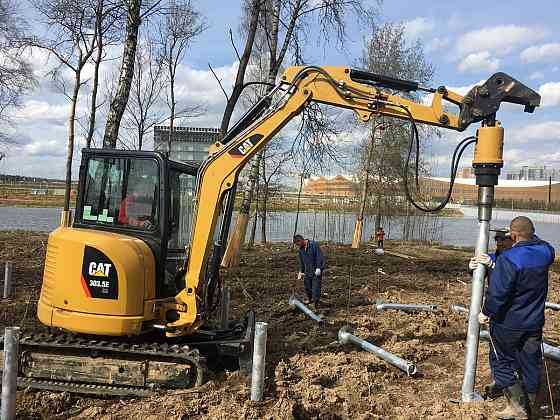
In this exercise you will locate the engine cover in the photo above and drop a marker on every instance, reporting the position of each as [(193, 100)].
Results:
[(96, 282)]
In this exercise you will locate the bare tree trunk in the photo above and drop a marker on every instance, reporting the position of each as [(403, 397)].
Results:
[(241, 69), (118, 104), (251, 242), (233, 250), (171, 110), (360, 222), (71, 136), (298, 206), (95, 83)]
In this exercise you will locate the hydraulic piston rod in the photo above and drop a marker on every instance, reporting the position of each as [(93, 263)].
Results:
[(345, 336), (294, 302), (405, 307)]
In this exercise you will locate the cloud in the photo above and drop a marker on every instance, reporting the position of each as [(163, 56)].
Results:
[(437, 44), (538, 133), (53, 148), (499, 39), (477, 62), (550, 94), (541, 53), (536, 75), (38, 110), (417, 26)]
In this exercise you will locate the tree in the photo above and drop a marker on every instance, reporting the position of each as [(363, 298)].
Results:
[(71, 40), (252, 11), (144, 109), (282, 28), (107, 16), (182, 23), (136, 11), (388, 52), (16, 75)]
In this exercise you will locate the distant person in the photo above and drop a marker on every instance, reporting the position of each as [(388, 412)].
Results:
[(311, 267), (514, 308), (380, 237)]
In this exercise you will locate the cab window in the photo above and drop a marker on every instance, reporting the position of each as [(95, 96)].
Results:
[(121, 192)]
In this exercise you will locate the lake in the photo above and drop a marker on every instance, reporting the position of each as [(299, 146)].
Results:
[(322, 226)]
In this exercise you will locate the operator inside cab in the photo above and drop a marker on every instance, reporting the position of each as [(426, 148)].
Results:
[(136, 207)]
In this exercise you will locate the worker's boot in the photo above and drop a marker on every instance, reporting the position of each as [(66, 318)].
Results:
[(491, 391), (532, 405), (516, 404)]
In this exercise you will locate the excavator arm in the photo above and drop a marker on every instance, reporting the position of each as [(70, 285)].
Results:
[(364, 93)]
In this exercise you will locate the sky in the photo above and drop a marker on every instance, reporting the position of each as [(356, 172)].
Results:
[(465, 41)]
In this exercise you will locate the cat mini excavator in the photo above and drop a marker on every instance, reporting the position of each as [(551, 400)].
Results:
[(129, 288)]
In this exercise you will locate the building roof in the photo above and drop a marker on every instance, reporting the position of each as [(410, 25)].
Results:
[(509, 183)]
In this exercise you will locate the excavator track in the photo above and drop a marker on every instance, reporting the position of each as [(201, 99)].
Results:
[(67, 362)]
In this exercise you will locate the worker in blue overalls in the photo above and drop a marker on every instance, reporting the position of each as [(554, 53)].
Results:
[(514, 309)]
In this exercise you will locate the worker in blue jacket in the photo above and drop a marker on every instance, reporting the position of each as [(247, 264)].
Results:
[(311, 267), (514, 308)]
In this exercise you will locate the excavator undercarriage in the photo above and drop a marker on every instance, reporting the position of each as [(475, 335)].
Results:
[(124, 366)]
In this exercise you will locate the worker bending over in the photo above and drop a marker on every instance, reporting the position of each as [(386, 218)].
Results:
[(514, 308), (311, 266)]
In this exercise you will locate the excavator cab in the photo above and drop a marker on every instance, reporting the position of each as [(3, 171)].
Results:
[(144, 195)]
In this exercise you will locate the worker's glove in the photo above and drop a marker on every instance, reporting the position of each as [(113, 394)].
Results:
[(317, 272), (300, 276), (483, 259), (486, 260), (483, 319)]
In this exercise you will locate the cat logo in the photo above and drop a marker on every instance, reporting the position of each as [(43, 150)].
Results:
[(244, 148), (99, 269)]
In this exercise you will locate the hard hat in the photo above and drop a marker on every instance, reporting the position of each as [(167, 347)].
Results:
[(379, 251)]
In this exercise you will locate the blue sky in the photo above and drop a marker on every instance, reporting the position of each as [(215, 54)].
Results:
[(466, 42)]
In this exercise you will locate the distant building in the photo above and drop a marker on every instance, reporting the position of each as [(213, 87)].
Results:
[(532, 173), (188, 144), (336, 186), (465, 189)]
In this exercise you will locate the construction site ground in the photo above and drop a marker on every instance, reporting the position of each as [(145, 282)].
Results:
[(309, 375)]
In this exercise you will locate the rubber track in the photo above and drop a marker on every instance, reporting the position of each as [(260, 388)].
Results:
[(86, 346)]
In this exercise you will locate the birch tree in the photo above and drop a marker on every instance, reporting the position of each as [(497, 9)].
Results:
[(71, 41), (182, 23), (145, 105)]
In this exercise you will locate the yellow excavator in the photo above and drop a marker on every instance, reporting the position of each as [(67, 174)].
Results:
[(130, 287)]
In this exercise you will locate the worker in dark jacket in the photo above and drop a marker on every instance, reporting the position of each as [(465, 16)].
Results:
[(311, 267), (514, 307)]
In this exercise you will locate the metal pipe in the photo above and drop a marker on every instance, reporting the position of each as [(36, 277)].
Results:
[(259, 361), (485, 200), (460, 309), (9, 374), (8, 271), (226, 299), (345, 336), (294, 302), (550, 352), (550, 305), (405, 307)]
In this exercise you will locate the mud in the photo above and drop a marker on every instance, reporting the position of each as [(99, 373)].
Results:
[(309, 375)]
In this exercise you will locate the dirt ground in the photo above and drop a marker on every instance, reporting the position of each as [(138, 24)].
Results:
[(309, 375)]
